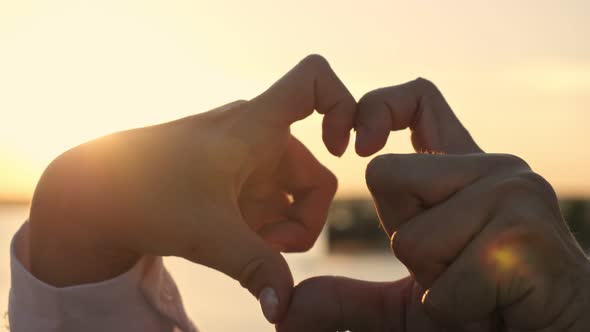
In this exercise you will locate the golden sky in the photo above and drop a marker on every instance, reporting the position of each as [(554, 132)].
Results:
[(516, 72)]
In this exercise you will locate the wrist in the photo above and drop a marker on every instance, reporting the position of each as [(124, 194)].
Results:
[(67, 246)]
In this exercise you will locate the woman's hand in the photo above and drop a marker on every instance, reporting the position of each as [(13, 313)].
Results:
[(229, 189), (417, 105)]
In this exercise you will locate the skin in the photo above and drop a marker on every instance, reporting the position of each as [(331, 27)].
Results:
[(481, 235), (228, 189)]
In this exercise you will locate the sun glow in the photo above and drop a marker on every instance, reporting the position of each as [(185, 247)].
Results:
[(74, 70), (505, 259)]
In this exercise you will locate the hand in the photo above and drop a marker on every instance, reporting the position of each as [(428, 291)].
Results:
[(229, 189), (334, 303), (417, 105), (485, 236), (329, 304), (406, 195), (484, 240)]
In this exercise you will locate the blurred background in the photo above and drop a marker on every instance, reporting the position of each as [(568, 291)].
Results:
[(516, 73)]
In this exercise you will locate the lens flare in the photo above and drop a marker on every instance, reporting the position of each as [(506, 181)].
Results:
[(505, 258), (424, 296)]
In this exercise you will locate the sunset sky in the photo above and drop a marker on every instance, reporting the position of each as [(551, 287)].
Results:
[(517, 73)]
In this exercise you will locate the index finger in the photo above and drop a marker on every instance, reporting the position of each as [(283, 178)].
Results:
[(417, 105), (403, 186), (312, 187), (311, 84), (331, 303)]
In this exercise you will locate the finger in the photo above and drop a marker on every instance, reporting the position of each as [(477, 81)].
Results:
[(405, 185), (473, 264), (287, 236), (429, 242), (502, 271), (265, 209), (310, 85), (241, 254), (328, 304), (467, 303), (312, 187), (417, 105), (467, 287), (432, 240)]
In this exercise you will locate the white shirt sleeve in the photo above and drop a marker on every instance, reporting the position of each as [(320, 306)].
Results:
[(145, 298)]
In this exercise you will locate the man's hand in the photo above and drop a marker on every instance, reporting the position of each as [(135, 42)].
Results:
[(484, 240), (229, 189), (482, 233), (330, 304), (419, 106)]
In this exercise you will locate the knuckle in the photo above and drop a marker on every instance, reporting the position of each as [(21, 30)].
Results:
[(371, 98), (426, 86), (513, 186), (519, 219), (331, 181), (526, 184), (513, 161), (403, 247), (315, 62), (526, 200), (303, 242), (238, 105), (539, 183), (250, 275), (515, 229)]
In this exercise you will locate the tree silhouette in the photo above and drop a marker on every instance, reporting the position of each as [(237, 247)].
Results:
[(577, 216)]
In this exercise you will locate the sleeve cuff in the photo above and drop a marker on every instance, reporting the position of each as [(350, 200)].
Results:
[(145, 298)]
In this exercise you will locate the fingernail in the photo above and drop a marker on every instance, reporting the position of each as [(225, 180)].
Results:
[(269, 302)]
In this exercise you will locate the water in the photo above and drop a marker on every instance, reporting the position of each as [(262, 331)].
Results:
[(216, 302)]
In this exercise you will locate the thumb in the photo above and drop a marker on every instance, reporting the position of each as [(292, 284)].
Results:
[(331, 303), (242, 255), (464, 296)]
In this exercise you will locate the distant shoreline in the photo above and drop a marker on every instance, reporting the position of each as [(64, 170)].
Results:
[(344, 198), (8, 202)]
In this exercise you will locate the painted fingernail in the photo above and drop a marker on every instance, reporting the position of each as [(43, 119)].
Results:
[(269, 302)]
